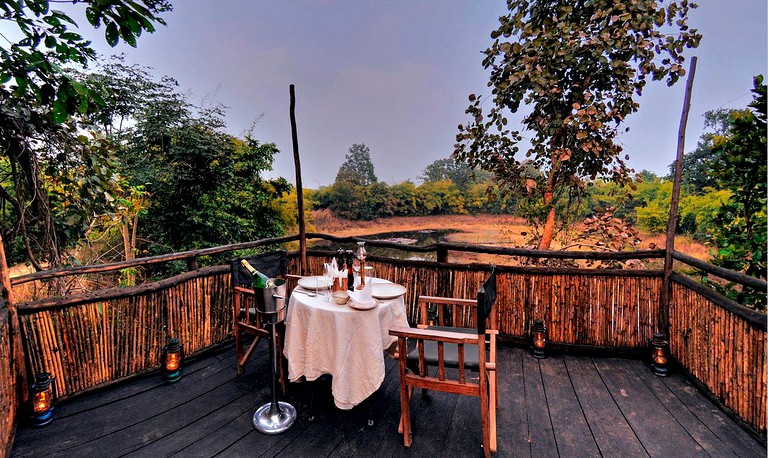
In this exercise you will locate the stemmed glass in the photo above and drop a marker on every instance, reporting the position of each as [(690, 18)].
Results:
[(322, 285), (360, 263), (356, 269)]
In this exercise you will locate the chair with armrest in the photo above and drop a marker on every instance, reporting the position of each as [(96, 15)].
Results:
[(462, 349), (247, 319)]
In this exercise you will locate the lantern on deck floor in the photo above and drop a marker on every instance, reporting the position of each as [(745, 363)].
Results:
[(538, 339), (42, 397), (173, 357), (659, 355)]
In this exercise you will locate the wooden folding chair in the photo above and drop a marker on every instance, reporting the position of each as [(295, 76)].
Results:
[(247, 319), (464, 349)]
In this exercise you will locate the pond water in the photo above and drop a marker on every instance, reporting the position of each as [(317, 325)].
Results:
[(416, 238)]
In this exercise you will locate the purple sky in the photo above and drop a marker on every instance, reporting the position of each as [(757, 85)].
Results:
[(395, 75)]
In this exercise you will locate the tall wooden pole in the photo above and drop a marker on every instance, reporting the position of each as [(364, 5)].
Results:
[(299, 187), (666, 292)]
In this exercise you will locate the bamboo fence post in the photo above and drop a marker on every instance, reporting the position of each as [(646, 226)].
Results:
[(299, 187), (663, 324), (14, 326), (192, 263)]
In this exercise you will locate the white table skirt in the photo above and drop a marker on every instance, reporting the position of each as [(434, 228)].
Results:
[(325, 338)]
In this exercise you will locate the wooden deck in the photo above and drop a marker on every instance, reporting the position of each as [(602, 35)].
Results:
[(560, 406)]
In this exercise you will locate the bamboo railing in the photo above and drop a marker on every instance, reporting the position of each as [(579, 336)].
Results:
[(91, 339), (720, 343), (8, 398), (581, 307), (87, 340)]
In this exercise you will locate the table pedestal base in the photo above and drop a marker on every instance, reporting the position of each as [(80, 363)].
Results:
[(274, 418)]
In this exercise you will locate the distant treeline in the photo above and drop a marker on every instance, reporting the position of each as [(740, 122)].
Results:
[(644, 203)]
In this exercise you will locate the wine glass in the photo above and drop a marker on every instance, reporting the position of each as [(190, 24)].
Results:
[(356, 268), (368, 271)]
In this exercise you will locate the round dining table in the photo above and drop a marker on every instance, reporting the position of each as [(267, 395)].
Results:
[(322, 337)]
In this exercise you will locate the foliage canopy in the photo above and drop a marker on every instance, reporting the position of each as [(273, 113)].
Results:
[(55, 178), (739, 165), (577, 67)]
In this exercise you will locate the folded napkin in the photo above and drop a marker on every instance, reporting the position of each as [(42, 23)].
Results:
[(362, 297), (332, 270)]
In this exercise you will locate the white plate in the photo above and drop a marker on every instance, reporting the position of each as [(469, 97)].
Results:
[(315, 283), (387, 290), (357, 306)]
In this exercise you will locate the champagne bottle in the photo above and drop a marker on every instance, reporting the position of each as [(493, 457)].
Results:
[(350, 257), (259, 279)]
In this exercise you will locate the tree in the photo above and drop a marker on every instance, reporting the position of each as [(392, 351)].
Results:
[(697, 174), (458, 172), (357, 168), (49, 162), (578, 67), (205, 185), (739, 165)]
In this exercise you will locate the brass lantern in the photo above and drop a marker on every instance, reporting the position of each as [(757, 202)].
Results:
[(538, 339), (173, 357), (42, 397), (659, 355)]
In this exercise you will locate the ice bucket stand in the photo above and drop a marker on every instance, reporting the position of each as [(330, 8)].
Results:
[(277, 416)]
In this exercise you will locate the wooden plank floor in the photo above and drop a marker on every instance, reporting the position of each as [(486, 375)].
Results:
[(560, 406)]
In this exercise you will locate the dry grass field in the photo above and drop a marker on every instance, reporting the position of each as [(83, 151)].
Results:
[(500, 230)]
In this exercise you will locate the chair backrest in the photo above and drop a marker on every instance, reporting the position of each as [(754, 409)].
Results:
[(272, 264), (486, 297)]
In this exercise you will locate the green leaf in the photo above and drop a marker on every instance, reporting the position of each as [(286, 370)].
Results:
[(112, 35), (59, 112), (63, 16), (97, 98), (128, 36), (133, 24), (80, 88), (52, 20), (38, 6), (83, 105), (93, 17), (71, 36), (5, 77)]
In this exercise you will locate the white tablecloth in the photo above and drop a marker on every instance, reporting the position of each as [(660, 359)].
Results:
[(325, 338)]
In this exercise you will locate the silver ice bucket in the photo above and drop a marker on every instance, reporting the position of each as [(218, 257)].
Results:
[(270, 302)]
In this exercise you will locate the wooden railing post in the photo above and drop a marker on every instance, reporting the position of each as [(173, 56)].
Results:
[(192, 263), (443, 275), (442, 253), (666, 287), (299, 187)]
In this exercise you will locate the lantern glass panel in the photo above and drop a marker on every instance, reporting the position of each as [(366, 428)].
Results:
[(42, 401), (172, 361)]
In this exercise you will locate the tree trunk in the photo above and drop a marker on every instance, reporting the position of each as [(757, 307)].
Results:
[(548, 232), (128, 248)]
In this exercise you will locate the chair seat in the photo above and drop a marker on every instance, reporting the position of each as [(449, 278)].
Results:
[(450, 351)]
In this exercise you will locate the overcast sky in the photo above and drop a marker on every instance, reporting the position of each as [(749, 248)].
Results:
[(395, 75)]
